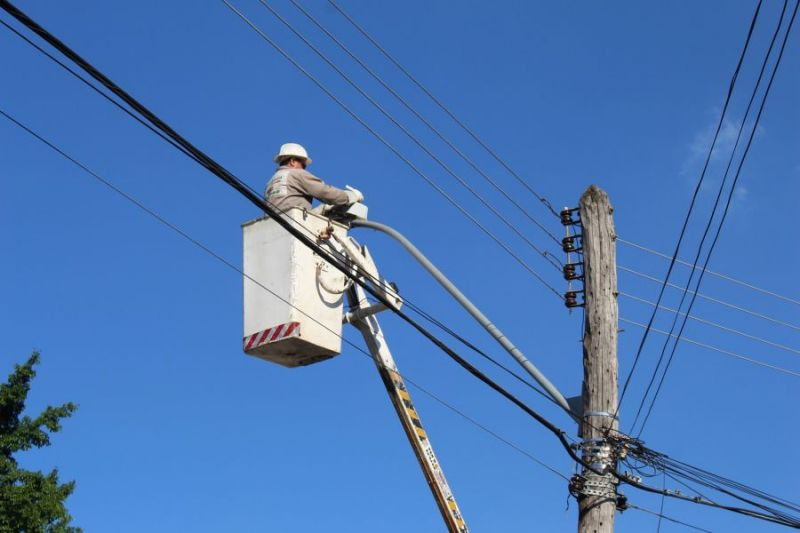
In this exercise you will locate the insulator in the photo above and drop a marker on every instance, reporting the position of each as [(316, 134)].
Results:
[(571, 299), (568, 244), (566, 216), (622, 502), (571, 272)]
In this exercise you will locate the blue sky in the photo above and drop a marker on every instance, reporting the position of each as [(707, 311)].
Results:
[(178, 430)]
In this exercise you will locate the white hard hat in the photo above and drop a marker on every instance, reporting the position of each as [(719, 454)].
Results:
[(292, 150)]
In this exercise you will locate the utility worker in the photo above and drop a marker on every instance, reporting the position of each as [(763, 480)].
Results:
[(293, 186)]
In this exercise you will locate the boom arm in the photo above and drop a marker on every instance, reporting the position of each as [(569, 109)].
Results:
[(362, 316)]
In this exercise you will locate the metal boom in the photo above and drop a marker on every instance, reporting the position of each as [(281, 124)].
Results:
[(362, 316)]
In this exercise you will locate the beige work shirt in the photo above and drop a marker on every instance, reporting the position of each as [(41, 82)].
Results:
[(295, 187)]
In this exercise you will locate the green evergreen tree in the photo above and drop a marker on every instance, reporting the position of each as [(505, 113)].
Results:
[(29, 501)]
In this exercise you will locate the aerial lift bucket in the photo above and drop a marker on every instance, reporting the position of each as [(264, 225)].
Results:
[(293, 316), (292, 297)]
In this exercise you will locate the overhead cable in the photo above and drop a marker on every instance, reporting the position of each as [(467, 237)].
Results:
[(427, 123), (433, 320), (735, 181), (95, 89), (441, 106), (674, 257), (704, 476), (98, 91), (707, 228), (466, 304), (714, 348), (393, 149), (235, 183), (713, 324), (546, 255), (668, 518), (739, 491), (713, 300), (107, 183), (408, 302), (709, 271)]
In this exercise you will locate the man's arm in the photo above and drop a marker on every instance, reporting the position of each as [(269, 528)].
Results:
[(313, 186)]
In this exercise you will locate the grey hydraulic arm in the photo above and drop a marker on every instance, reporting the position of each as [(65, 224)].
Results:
[(471, 309)]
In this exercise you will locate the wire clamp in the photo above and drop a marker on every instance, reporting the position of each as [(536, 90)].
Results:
[(600, 413), (598, 454), (582, 486)]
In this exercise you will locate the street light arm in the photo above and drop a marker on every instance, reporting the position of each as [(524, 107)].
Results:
[(471, 309)]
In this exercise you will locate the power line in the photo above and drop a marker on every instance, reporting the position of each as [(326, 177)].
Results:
[(427, 123), (441, 106), (709, 271), (230, 265), (392, 148), (668, 518), (713, 300), (711, 217), (675, 469), (95, 89), (713, 324), (335, 252), (731, 86), (402, 128), (408, 302), (730, 193), (663, 500), (233, 267), (714, 348), (480, 352), (235, 183), (731, 488), (704, 476), (500, 438), (108, 98)]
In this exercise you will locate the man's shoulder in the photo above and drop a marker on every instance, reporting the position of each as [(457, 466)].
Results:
[(303, 174), (280, 171)]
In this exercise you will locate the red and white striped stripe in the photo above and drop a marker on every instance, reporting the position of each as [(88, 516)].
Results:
[(275, 333)]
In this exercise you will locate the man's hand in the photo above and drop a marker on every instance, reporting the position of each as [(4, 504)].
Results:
[(353, 195)]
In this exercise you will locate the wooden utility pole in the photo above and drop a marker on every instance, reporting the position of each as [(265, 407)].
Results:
[(597, 500)]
